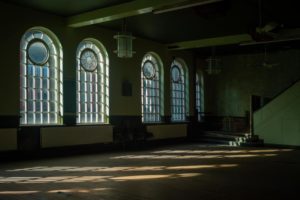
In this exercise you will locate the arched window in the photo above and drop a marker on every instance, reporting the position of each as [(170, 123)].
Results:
[(41, 75), (179, 91), (92, 82), (151, 88), (199, 95)]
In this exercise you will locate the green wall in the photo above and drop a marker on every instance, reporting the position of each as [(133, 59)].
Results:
[(279, 121), (242, 75), (16, 20)]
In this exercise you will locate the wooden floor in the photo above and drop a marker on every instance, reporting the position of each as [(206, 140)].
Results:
[(179, 172)]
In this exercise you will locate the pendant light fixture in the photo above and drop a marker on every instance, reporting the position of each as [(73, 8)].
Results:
[(213, 63), (124, 42)]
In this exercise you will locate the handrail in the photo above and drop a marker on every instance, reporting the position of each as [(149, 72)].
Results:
[(281, 92)]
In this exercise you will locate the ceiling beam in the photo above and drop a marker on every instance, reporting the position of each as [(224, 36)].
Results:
[(210, 42), (184, 5), (136, 7)]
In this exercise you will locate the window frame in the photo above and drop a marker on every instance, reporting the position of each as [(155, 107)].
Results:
[(199, 96), (95, 85), (41, 90), (179, 92), (152, 90)]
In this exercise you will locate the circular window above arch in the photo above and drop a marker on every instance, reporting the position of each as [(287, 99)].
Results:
[(38, 52), (149, 69), (175, 73), (88, 60)]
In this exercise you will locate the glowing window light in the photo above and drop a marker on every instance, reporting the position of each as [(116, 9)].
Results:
[(150, 89), (178, 92), (38, 56), (92, 76), (199, 96)]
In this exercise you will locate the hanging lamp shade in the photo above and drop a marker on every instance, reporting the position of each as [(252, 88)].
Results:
[(124, 45), (213, 65)]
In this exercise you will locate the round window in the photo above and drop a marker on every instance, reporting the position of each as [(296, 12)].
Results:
[(88, 60), (176, 73), (149, 69), (38, 53)]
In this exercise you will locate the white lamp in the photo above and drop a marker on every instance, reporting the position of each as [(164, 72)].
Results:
[(124, 42)]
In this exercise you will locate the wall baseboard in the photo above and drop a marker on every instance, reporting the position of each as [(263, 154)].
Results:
[(77, 135), (166, 131)]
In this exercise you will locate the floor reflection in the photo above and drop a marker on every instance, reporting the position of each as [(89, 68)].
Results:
[(103, 176)]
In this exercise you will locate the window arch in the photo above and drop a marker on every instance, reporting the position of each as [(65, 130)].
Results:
[(179, 91), (92, 82), (199, 95), (41, 76), (151, 88)]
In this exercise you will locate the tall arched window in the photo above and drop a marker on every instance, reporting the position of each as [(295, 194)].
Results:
[(199, 95), (151, 88), (179, 91), (92, 82), (41, 75)]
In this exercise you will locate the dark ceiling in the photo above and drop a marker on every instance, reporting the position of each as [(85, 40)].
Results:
[(227, 17), (66, 7), (189, 24)]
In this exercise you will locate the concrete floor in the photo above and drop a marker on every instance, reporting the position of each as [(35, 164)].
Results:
[(179, 172)]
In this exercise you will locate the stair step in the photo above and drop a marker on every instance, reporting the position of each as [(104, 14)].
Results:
[(214, 141), (245, 139), (221, 135), (257, 143)]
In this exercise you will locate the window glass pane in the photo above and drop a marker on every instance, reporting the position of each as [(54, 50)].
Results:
[(23, 118), (52, 107), (30, 117), (52, 118), (30, 70), (23, 106), (82, 118), (30, 105), (53, 95), (45, 106), (38, 52), (39, 71), (46, 72), (37, 83), (45, 83), (45, 95), (82, 87), (30, 94), (38, 118), (82, 97), (52, 72), (45, 117)]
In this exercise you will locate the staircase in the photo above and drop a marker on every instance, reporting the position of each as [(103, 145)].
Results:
[(231, 139), (278, 122)]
